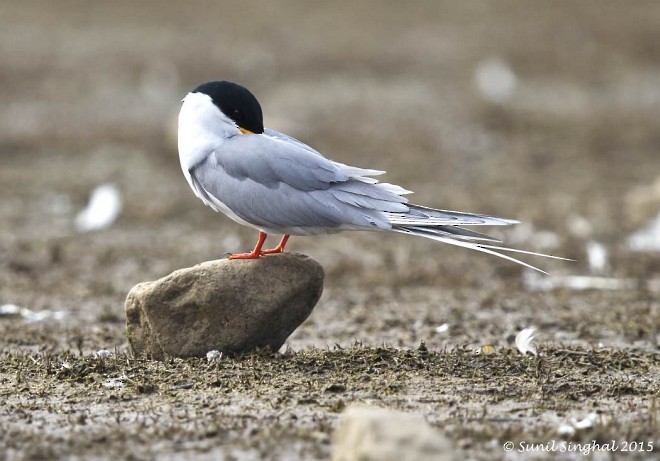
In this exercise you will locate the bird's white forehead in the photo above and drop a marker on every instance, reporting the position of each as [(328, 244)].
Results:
[(200, 99)]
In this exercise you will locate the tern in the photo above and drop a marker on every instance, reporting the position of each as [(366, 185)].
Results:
[(277, 184)]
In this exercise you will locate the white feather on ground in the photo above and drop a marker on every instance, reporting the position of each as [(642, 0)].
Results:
[(104, 207), (647, 238), (29, 316), (580, 282), (598, 257), (495, 80), (524, 341)]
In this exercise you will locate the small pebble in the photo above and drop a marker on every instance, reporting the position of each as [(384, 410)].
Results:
[(485, 350)]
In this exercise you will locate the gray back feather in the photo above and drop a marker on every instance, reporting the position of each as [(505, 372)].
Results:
[(276, 183)]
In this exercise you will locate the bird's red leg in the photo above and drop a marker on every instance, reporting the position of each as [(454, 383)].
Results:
[(279, 248), (257, 249)]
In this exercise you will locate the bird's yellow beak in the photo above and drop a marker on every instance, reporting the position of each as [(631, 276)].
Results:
[(244, 131)]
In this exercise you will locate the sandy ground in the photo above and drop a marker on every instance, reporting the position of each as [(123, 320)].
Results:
[(543, 112)]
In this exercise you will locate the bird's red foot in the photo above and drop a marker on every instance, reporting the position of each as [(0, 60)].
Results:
[(257, 252), (251, 255), (278, 249)]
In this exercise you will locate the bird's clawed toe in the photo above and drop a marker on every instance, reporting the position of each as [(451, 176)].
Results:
[(272, 251)]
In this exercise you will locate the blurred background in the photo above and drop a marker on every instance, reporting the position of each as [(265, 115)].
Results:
[(548, 112)]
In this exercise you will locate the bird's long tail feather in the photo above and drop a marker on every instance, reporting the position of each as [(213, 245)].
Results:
[(458, 236)]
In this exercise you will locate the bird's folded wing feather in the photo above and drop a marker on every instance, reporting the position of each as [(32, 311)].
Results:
[(276, 182), (290, 139), (270, 162)]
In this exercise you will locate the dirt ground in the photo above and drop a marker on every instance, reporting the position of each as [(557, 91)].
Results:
[(542, 111)]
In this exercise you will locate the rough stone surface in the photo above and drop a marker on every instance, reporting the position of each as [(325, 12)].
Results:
[(229, 306), (378, 434)]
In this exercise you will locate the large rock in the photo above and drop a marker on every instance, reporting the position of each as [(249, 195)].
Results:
[(378, 434), (230, 306)]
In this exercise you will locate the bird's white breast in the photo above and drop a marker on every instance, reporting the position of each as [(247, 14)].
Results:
[(203, 128)]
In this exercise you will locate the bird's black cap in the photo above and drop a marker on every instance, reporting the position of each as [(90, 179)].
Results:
[(236, 102)]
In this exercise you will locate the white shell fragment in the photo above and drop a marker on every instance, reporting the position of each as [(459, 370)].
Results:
[(10, 310), (104, 354), (524, 341), (103, 208), (114, 383), (566, 429), (442, 328), (570, 428), (587, 422)]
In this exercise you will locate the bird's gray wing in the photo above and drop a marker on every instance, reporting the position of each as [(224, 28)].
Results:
[(361, 173), (276, 184), (271, 161), (290, 139)]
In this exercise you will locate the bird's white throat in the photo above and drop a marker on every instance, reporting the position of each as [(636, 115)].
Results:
[(202, 129)]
